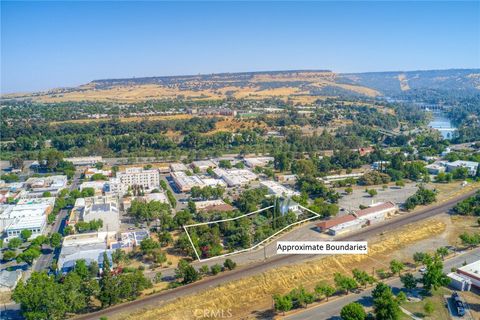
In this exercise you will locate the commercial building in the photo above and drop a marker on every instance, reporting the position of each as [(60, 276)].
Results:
[(185, 182), (435, 168), (160, 196), (104, 208), (213, 182), (87, 246), (278, 190), (459, 282), (377, 212), (339, 177), (91, 171), (98, 186), (380, 165), (176, 167), (94, 208), (471, 272), (471, 166), (345, 227), (203, 165), (235, 177), (27, 214), (84, 161), (330, 223), (129, 240), (137, 176), (39, 185), (258, 161)]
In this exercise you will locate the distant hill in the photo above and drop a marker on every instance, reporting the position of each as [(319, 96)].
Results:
[(299, 86), (396, 82)]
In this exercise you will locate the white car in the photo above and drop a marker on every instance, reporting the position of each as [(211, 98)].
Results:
[(423, 269)]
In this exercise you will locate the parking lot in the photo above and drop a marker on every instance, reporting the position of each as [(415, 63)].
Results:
[(360, 197)]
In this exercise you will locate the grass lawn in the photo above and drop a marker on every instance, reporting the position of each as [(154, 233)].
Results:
[(440, 312)]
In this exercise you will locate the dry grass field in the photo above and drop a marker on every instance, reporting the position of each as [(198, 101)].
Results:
[(245, 296), (298, 87)]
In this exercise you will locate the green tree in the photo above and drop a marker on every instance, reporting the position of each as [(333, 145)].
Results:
[(385, 305), (396, 267), (429, 307), (344, 283), (353, 311), (40, 297), (409, 281), (372, 192), (186, 272), (323, 289), (282, 303), (433, 277), (418, 257), (442, 252), (14, 243), (9, 255), (229, 264), (148, 245), (26, 234), (55, 240), (29, 255), (215, 269), (362, 277)]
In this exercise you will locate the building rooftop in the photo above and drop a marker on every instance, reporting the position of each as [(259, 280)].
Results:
[(376, 208), (327, 224)]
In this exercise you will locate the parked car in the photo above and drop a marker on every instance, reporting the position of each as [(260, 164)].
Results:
[(459, 304)]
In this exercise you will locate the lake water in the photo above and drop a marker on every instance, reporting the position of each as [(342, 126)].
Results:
[(442, 124)]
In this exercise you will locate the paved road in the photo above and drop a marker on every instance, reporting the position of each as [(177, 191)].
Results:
[(275, 261), (45, 260), (331, 310)]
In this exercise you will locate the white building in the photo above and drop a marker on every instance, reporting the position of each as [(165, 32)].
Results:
[(52, 184), (137, 176), (471, 166), (91, 171), (471, 272), (258, 161), (84, 161), (203, 165), (175, 167), (278, 190), (345, 227), (104, 208), (339, 177), (435, 168), (27, 214), (185, 182), (87, 246), (235, 177), (377, 212), (98, 186)]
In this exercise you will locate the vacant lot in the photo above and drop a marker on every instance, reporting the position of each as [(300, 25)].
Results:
[(255, 293)]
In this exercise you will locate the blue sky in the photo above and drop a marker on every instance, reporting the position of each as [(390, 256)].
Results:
[(54, 44)]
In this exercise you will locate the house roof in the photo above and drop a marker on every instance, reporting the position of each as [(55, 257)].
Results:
[(376, 208), (327, 224)]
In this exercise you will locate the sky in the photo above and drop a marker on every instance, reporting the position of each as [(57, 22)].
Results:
[(59, 44)]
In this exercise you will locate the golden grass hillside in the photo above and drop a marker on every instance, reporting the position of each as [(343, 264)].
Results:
[(282, 85), (255, 293)]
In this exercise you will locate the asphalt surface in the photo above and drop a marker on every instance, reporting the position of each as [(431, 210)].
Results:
[(331, 309), (275, 261)]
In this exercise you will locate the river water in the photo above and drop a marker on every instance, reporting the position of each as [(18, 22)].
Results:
[(441, 122)]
